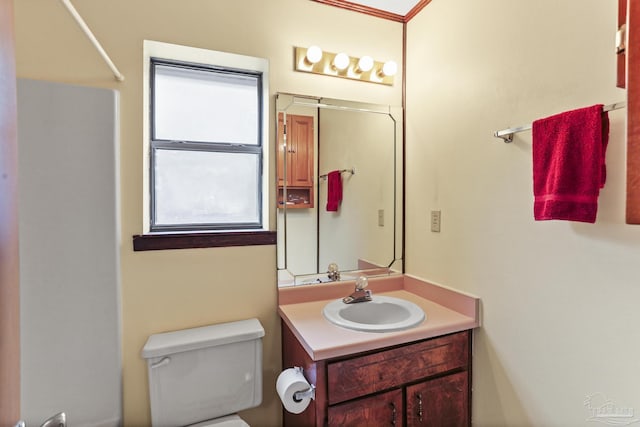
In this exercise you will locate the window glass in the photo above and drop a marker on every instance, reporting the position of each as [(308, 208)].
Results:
[(200, 187), (205, 105)]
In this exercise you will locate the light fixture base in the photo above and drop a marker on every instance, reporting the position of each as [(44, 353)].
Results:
[(325, 67)]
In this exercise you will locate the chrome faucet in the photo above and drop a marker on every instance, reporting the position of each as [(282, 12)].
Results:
[(360, 294), (58, 420), (332, 272)]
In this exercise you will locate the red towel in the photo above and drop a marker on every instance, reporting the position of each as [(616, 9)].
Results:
[(568, 164), (334, 191)]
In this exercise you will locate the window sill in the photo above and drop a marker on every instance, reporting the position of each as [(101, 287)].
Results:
[(155, 242)]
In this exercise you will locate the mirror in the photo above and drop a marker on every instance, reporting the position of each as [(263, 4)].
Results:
[(319, 140)]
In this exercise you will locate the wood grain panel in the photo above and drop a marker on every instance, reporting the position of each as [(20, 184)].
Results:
[(155, 242), (384, 370), (633, 113), (443, 402), (9, 267), (315, 372), (381, 410)]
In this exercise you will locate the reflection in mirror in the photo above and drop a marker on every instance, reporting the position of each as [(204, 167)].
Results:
[(329, 148)]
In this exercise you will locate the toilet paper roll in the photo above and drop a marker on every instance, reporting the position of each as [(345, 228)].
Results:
[(289, 382)]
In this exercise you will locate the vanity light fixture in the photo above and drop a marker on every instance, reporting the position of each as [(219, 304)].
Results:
[(314, 60)]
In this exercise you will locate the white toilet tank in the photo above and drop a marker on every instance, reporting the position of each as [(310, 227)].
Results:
[(204, 373)]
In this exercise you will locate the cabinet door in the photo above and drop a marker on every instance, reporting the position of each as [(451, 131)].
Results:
[(443, 402), (381, 410), (298, 153), (633, 113), (300, 142)]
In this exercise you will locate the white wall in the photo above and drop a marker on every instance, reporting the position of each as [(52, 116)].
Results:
[(69, 262), (559, 299)]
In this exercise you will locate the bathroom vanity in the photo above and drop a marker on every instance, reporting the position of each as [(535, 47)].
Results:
[(380, 373), (415, 377)]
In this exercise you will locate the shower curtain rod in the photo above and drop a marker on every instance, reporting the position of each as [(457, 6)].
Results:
[(507, 134), (83, 25)]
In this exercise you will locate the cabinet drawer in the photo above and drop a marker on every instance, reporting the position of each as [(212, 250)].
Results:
[(351, 378)]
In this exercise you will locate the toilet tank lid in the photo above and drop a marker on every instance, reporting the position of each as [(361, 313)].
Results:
[(205, 336)]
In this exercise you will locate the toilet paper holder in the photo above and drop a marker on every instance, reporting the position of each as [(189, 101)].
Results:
[(309, 393)]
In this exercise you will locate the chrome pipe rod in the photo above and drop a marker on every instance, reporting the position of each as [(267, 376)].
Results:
[(507, 134), (87, 31)]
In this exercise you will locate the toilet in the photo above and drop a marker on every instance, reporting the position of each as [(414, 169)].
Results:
[(200, 377)]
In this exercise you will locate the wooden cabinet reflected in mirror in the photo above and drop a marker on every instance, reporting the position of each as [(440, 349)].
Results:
[(633, 110), (295, 161)]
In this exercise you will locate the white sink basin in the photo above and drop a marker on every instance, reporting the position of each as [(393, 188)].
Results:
[(381, 314)]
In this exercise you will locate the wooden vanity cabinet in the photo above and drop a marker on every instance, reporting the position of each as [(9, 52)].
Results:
[(423, 383)]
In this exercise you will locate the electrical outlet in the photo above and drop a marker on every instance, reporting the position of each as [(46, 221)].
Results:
[(381, 217), (435, 221)]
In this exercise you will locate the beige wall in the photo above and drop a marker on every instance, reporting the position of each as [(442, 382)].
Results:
[(168, 290), (559, 299)]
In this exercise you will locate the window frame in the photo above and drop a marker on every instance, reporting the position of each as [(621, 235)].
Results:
[(204, 235), (156, 144)]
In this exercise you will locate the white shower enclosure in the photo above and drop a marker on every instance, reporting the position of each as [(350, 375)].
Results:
[(69, 261)]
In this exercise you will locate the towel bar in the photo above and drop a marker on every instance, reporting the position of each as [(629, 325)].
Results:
[(507, 134), (352, 171)]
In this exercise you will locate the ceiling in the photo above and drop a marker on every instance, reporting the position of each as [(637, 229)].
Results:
[(398, 7), (395, 10)]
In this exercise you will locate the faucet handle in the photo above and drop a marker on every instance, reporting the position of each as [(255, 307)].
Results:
[(333, 272), (362, 282)]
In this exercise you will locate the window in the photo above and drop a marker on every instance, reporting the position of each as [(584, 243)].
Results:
[(205, 133)]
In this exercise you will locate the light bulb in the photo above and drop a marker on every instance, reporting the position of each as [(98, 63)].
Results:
[(314, 54), (390, 68), (365, 64), (341, 61)]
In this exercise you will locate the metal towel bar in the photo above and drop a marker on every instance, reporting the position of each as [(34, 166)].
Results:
[(507, 134)]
